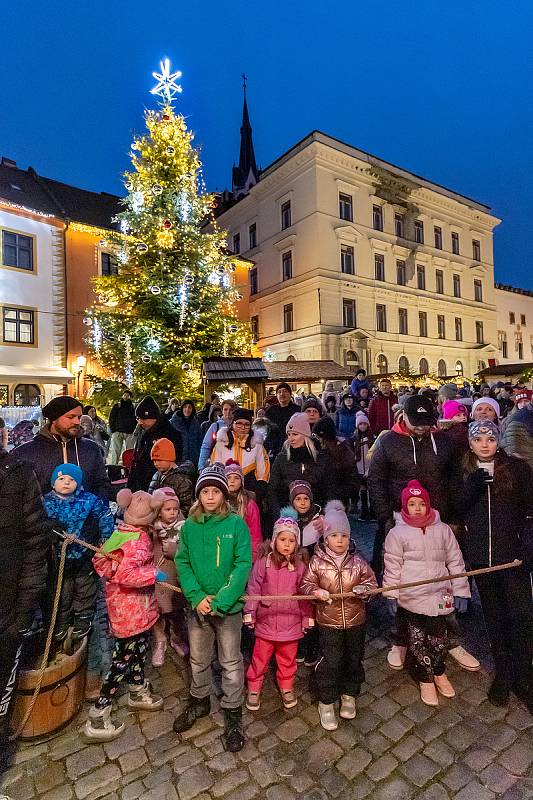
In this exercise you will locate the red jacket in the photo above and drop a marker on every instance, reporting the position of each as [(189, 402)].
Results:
[(380, 413), (130, 594)]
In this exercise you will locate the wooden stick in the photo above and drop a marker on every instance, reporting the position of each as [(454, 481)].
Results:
[(365, 592)]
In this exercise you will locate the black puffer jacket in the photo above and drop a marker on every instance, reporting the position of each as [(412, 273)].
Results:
[(122, 417), (143, 467), (397, 458), (510, 503), (25, 539), (300, 466)]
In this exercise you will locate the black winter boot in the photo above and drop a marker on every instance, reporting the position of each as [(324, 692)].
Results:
[(233, 737), (498, 693), (195, 708)]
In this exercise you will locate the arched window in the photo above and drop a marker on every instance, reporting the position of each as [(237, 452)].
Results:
[(351, 359), (403, 365), (382, 364), (26, 394), (424, 366), (459, 368), (291, 358), (442, 368)]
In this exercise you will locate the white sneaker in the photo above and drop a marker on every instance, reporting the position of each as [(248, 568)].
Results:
[(396, 656), (328, 720), (464, 659), (348, 710), (142, 697), (99, 725)]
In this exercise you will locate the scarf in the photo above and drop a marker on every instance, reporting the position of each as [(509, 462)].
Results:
[(419, 522)]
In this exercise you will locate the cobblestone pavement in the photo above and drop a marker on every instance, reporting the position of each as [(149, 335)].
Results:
[(396, 748)]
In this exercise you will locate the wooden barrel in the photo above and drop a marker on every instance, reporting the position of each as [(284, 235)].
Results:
[(60, 696)]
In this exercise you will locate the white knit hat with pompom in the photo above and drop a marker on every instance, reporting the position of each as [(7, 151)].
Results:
[(335, 519)]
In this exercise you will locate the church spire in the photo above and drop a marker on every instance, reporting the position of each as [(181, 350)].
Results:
[(245, 175)]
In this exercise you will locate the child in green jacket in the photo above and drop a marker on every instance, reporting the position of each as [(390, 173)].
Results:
[(213, 563)]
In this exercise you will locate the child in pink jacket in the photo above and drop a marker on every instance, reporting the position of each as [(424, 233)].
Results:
[(242, 502), (132, 608), (278, 624), (421, 547)]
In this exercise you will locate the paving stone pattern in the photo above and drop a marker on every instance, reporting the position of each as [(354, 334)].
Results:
[(395, 749)]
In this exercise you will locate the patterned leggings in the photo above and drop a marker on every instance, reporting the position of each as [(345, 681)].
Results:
[(426, 646), (127, 661)]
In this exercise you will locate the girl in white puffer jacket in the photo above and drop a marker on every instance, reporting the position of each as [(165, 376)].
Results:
[(420, 547)]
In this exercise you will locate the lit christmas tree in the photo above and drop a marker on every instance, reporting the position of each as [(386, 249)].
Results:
[(173, 299)]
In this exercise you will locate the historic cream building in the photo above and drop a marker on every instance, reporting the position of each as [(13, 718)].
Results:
[(363, 262), (514, 318)]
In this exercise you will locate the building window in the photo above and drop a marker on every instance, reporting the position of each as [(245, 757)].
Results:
[(403, 365), (511, 318), (442, 369), (402, 321), (522, 319), (519, 346), (26, 394), (423, 366), (458, 329), (381, 318), (236, 243), (478, 291), (479, 332), (438, 237), (252, 235), (253, 280), (346, 207), (254, 328), (459, 369), (476, 249), (377, 218), (420, 276), (4, 394), (18, 325), (399, 225), (347, 259), (351, 359), (401, 273), (291, 358), (288, 320), (422, 323), (439, 281), (379, 267), (441, 326), (457, 286), (455, 243), (286, 216), (382, 364), (502, 343), (348, 313), (17, 250), (109, 264), (419, 231), (286, 265)]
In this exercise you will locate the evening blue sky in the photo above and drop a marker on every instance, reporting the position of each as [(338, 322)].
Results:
[(441, 88)]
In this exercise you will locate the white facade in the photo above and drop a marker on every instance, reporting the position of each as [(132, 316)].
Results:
[(514, 317), (32, 310), (335, 314)]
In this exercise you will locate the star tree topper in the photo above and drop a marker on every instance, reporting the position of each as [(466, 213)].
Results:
[(166, 85)]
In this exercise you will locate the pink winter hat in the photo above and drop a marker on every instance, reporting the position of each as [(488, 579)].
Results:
[(169, 494), (452, 407), (415, 489), (335, 519), (299, 423)]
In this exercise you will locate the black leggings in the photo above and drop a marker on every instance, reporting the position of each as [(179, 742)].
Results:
[(508, 610), (340, 668), (127, 661)]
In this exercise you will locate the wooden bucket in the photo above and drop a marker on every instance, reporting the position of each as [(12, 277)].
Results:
[(60, 696)]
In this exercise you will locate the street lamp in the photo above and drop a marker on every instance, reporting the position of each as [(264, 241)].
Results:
[(81, 363)]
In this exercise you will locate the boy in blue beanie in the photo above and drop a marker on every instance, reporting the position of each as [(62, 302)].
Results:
[(86, 516)]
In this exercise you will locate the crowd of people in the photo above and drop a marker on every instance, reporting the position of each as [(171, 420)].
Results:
[(229, 540)]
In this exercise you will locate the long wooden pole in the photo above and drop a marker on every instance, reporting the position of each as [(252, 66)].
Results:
[(363, 591)]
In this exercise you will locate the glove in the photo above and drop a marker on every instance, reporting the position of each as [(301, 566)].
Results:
[(160, 575), (361, 589), (392, 605), (479, 479), (461, 604), (322, 594)]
